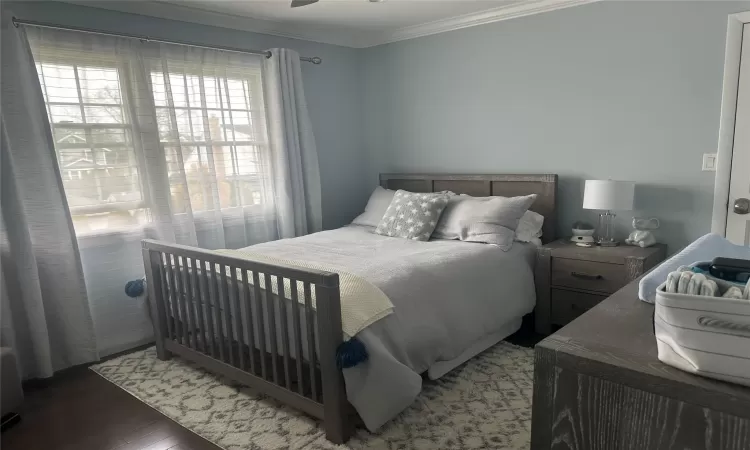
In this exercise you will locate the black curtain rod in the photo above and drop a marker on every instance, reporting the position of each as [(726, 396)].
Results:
[(267, 54)]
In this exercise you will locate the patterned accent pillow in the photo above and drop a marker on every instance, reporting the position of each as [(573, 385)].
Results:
[(412, 215)]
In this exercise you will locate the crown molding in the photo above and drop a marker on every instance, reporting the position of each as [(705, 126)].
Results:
[(328, 35), (507, 12), (197, 15)]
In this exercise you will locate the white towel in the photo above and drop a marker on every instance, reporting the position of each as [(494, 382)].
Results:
[(704, 248)]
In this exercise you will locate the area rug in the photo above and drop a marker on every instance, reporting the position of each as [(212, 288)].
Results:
[(486, 403)]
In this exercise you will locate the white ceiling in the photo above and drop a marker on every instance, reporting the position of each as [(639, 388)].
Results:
[(387, 15), (351, 23)]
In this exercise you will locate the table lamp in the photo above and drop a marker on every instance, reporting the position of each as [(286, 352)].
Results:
[(608, 195)]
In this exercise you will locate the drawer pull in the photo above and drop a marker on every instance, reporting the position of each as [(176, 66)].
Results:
[(586, 276)]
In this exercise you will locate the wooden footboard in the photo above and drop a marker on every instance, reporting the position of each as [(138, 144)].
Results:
[(210, 308)]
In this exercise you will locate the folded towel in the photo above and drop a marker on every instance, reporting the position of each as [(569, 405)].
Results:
[(704, 248)]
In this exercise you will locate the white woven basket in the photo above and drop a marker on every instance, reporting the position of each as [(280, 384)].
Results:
[(708, 336)]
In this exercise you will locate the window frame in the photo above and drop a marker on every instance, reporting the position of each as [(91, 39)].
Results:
[(52, 56), (255, 84)]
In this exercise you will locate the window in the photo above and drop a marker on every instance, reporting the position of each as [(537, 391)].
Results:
[(211, 132), (212, 128), (94, 144)]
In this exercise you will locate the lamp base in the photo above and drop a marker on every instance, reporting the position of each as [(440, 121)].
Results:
[(606, 231)]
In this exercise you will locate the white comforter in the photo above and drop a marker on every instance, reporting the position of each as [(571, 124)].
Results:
[(448, 296)]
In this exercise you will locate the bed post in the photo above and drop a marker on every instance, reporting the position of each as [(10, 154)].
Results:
[(152, 263), (336, 421)]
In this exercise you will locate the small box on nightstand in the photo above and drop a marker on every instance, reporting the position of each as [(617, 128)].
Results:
[(570, 280)]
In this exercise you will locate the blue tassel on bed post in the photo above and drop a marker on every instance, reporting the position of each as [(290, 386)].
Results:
[(135, 288), (350, 353)]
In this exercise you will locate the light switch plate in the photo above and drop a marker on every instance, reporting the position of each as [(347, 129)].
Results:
[(709, 162)]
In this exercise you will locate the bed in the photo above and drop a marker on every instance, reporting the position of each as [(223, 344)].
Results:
[(451, 301)]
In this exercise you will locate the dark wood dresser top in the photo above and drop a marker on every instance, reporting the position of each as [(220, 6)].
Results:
[(563, 248), (615, 341)]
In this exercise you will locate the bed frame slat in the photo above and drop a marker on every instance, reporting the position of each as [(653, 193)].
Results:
[(311, 353), (187, 304), (284, 330), (165, 294), (211, 307), (187, 280), (152, 262), (247, 300), (177, 291), (227, 312), (297, 335), (239, 331), (261, 324), (272, 328), (219, 309), (205, 295), (172, 297), (195, 289)]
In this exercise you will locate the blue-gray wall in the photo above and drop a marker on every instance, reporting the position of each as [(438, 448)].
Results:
[(621, 90), (332, 89)]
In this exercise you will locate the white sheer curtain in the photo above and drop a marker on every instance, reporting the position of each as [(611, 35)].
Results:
[(45, 313), (161, 141)]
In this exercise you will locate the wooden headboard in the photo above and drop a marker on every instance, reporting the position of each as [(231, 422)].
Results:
[(506, 185)]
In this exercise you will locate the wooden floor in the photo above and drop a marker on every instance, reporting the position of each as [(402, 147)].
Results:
[(79, 410), (82, 411)]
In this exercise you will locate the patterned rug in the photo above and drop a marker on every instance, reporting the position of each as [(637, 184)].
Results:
[(486, 403)]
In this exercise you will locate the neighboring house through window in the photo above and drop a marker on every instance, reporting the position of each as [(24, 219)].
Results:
[(211, 128)]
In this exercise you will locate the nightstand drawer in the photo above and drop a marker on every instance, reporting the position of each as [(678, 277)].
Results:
[(568, 305), (587, 275)]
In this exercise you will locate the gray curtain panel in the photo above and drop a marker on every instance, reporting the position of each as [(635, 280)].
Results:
[(50, 322), (294, 155)]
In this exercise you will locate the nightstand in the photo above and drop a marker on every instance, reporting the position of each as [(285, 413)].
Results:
[(570, 280)]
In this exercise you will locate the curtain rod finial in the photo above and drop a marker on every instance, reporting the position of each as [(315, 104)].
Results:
[(316, 60), (14, 21)]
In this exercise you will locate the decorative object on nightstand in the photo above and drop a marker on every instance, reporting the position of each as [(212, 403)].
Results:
[(641, 235), (608, 195), (583, 234), (570, 280)]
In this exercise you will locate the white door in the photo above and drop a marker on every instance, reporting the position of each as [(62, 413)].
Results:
[(738, 216)]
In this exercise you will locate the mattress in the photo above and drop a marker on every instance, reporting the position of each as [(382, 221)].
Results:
[(451, 300)]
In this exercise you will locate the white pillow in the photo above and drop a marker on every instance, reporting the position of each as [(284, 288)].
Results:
[(378, 203), (492, 220), (530, 227)]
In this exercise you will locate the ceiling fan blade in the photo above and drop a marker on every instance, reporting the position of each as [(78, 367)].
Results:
[(296, 3)]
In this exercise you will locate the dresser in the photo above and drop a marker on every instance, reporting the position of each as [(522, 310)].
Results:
[(570, 280), (598, 385)]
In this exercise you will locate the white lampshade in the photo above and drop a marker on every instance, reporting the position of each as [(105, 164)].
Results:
[(608, 195)]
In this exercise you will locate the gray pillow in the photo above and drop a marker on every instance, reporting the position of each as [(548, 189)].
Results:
[(412, 216), (492, 220), (376, 207)]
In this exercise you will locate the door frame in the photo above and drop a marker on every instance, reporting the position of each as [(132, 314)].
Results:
[(733, 52)]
